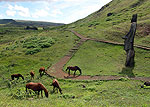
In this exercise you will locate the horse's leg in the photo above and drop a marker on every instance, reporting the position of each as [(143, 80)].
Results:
[(57, 90), (41, 93), (26, 89), (41, 74), (75, 72), (17, 78), (53, 89), (30, 92), (38, 93), (69, 72)]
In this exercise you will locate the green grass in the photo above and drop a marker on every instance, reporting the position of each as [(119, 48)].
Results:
[(95, 58), (95, 94)]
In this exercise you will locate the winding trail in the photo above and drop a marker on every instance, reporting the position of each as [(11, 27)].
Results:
[(56, 70)]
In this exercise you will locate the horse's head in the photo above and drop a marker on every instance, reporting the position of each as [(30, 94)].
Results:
[(43, 88), (78, 69), (46, 94), (22, 77)]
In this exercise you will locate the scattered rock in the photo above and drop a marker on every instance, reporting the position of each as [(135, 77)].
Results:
[(109, 14)]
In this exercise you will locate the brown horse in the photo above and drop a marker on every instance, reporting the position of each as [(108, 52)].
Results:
[(147, 83), (75, 68), (55, 84), (32, 74), (37, 87), (16, 76), (42, 71)]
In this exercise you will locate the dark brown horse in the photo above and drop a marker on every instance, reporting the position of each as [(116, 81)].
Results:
[(147, 83), (16, 76), (55, 84), (32, 74), (37, 87), (42, 71), (75, 68)]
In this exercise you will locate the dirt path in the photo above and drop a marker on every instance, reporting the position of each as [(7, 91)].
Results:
[(57, 69)]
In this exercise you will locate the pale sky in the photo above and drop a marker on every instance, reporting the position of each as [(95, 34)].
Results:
[(59, 11)]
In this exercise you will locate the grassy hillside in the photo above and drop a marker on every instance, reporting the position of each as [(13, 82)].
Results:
[(101, 25)]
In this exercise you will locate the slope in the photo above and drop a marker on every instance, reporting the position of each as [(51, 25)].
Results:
[(112, 21)]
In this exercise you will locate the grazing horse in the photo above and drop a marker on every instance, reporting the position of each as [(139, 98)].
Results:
[(55, 84), (32, 74), (75, 68), (42, 71), (147, 83), (16, 76), (37, 87)]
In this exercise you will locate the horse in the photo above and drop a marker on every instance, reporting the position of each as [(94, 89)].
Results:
[(32, 74), (42, 71), (37, 87), (55, 84), (16, 76), (75, 68), (147, 83)]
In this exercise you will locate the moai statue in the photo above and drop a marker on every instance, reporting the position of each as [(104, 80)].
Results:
[(129, 42)]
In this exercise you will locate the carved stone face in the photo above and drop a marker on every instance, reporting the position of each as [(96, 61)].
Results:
[(134, 18)]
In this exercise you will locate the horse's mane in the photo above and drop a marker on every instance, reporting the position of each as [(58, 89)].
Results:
[(78, 68)]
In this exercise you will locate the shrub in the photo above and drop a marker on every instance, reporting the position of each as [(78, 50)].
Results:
[(32, 51), (45, 45), (19, 94), (35, 44)]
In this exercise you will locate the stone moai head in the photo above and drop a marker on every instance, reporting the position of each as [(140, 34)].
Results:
[(134, 18)]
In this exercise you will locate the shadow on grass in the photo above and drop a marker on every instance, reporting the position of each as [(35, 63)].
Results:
[(128, 72), (72, 76)]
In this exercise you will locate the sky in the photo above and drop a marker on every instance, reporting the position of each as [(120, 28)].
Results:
[(58, 11)]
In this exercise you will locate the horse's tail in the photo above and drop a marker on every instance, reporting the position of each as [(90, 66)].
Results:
[(47, 68), (26, 88), (12, 77), (67, 68), (79, 69), (45, 90)]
